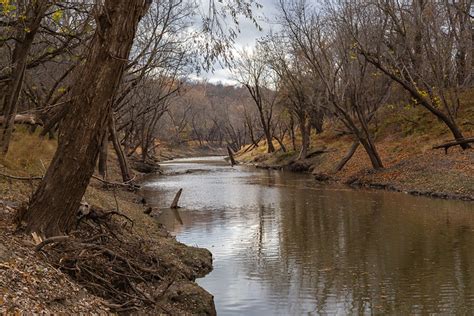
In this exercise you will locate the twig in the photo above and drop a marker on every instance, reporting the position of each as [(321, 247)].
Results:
[(123, 184), (20, 178), (51, 240)]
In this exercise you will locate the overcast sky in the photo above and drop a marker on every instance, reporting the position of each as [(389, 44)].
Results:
[(247, 38)]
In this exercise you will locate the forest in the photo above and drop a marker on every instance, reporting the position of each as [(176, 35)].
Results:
[(95, 95)]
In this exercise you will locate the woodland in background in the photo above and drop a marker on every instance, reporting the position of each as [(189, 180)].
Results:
[(115, 72)]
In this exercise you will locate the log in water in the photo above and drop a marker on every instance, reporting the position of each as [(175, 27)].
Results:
[(285, 245)]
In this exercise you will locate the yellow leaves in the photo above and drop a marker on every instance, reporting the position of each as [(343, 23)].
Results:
[(422, 93), (6, 7), (57, 16)]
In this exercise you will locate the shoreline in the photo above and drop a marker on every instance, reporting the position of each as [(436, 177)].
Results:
[(357, 183), (180, 264), (427, 173)]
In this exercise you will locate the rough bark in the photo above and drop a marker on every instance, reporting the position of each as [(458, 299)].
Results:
[(52, 210), (26, 34)]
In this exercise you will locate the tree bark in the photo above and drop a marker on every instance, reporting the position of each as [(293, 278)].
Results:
[(347, 157), (52, 210), (26, 34), (372, 153), (305, 129), (103, 158), (122, 158)]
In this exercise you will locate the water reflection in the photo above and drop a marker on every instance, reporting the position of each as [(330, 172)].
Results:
[(283, 244)]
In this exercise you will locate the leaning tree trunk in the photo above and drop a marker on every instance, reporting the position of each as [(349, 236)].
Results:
[(372, 153), (53, 208), (26, 35), (347, 157), (122, 158)]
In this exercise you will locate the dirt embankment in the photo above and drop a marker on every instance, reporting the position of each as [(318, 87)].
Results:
[(105, 266), (411, 166), (168, 151), (404, 136)]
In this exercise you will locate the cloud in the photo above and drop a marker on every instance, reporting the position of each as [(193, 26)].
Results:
[(246, 38)]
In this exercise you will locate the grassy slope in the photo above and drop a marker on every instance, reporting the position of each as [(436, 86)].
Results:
[(404, 138)]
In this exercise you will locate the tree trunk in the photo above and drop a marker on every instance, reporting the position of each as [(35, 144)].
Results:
[(305, 129), (348, 156), (122, 159), (103, 158), (26, 35), (372, 153), (52, 210), (268, 136)]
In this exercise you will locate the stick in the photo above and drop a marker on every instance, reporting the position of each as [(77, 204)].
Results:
[(50, 240), (231, 156), (176, 199), (446, 146), (21, 178)]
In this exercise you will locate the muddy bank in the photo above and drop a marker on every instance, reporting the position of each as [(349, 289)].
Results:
[(428, 172), (34, 281)]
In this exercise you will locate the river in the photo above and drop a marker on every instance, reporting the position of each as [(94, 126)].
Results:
[(284, 244)]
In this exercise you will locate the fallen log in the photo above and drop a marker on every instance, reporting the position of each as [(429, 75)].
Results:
[(450, 144), (174, 205), (8, 176), (27, 119), (316, 152)]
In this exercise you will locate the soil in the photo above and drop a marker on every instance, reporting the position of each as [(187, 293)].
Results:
[(36, 281), (421, 171)]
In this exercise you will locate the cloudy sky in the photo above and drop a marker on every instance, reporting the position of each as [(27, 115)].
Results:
[(247, 38)]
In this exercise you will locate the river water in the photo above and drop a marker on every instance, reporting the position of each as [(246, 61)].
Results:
[(285, 245)]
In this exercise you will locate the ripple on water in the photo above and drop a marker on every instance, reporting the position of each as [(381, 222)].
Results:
[(283, 244)]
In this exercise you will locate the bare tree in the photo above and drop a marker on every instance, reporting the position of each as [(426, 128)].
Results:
[(25, 33), (352, 94), (54, 204), (418, 46), (254, 73)]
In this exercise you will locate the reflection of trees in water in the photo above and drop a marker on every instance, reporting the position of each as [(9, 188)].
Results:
[(357, 252)]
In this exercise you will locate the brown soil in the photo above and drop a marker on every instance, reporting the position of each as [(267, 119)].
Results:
[(36, 281), (430, 172)]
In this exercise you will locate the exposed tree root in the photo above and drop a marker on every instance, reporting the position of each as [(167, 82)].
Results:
[(124, 271)]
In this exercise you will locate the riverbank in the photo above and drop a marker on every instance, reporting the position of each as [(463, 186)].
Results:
[(167, 151), (411, 165), (33, 281)]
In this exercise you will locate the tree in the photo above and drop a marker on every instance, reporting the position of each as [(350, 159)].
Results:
[(353, 93), (254, 73), (26, 30), (295, 86), (418, 45), (53, 206)]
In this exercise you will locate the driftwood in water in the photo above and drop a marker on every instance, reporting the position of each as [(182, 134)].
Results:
[(347, 157), (447, 145), (176, 199), (231, 156)]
